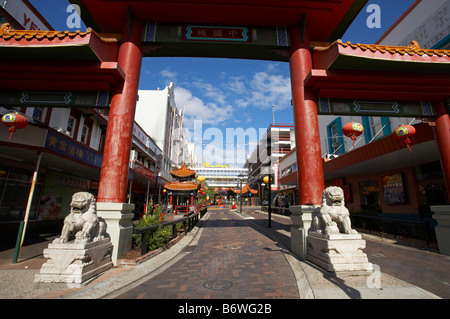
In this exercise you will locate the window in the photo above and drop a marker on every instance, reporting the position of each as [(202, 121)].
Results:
[(335, 137), (375, 127), (84, 134), (38, 113), (71, 126)]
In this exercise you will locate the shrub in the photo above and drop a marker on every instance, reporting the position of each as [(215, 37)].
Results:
[(158, 237)]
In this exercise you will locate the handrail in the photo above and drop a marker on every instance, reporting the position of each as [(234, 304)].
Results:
[(188, 224), (395, 226), (176, 221)]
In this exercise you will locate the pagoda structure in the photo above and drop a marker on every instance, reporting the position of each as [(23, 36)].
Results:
[(182, 190), (246, 192)]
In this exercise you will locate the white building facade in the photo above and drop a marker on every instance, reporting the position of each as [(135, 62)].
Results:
[(427, 22), (222, 176), (158, 115)]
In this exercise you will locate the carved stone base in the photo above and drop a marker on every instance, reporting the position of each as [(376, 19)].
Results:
[(442, 216), (75, 263), (339, 253)]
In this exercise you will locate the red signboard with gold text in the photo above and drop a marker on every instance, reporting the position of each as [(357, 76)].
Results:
[(213, 33)]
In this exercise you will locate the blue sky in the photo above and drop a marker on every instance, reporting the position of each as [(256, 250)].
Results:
[(229, 93)]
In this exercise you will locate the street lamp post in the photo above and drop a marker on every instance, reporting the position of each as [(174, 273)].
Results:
[(273, 113), (269, 155), (269, 208), (240, 177), (262, 198)]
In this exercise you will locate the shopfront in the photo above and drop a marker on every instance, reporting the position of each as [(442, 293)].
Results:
[(404, 193), (15, 186)]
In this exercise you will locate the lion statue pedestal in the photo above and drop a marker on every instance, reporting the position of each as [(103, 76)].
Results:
[(331, 242), (87, 255)]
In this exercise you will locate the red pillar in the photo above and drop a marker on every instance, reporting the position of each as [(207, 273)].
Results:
[(307, 138), (442, 135), (116, 155)]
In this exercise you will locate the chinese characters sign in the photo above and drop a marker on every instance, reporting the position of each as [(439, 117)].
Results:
[(138, 167), (211, 33), (60, 144), (394, 192)]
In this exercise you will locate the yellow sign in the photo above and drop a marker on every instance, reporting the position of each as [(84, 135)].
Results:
[(208, 165)]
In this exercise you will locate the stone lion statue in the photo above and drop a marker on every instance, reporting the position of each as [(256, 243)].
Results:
[(334, 217), (82, 221)]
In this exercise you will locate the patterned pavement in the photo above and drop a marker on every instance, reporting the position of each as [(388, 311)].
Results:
[(232, 260), (235, 260), (235, 256)]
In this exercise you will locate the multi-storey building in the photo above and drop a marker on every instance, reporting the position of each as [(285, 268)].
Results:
[(427, 22), (22, 15), (222, 176), (281, 139), (157, 114)]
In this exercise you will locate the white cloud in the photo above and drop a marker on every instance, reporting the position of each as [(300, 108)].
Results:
[(268, 90), (237, 85), (169, 75), (262, 90), (196, 109), (208, 90)]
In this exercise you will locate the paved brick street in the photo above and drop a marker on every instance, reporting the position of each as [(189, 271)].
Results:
[(428, 270), (232, 260), (235, 256)]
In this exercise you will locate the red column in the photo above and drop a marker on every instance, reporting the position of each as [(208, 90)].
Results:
[(442, 135), (307, 138), (116, 155)]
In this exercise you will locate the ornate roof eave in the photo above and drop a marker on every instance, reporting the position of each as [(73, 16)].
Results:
[(331, 55), (182, 186), (7, 32), (32, 45), (245, 189), (183, 172), (379, 72), (412, 49)]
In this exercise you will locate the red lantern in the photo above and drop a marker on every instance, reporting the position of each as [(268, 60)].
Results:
[(353, 130), (14, 121), (404, 132)]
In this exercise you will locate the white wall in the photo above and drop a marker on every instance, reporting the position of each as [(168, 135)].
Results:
[(151, 114)]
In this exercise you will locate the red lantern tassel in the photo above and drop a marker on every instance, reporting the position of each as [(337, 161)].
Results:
[(11, 130), (407, 142)]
